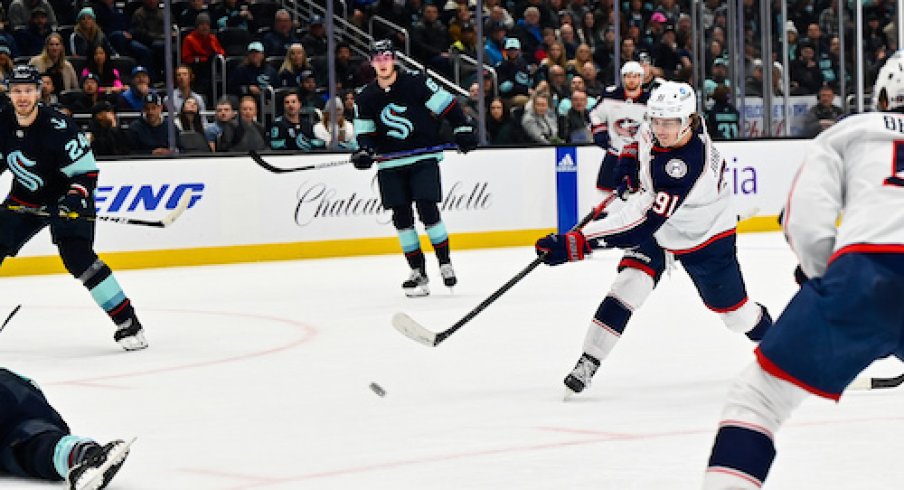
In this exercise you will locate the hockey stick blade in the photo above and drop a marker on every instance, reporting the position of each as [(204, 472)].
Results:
[(278, 170), (410, 328), (181, 206), (864, 383), (10, 316)]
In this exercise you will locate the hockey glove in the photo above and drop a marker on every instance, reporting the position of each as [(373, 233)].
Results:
[(466, 138), (72, 205), (557, 249), (627, 172), (363, 158)]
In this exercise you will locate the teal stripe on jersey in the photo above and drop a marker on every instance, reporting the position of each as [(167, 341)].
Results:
[(364, 126), (83, 165), (437, 233), (408, 239), (108, 294), (278, 144), (61, 453), (439, 102), (401, 162)]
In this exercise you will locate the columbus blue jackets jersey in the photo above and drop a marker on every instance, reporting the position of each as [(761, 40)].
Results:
[(618, 117), (45, 158), (404, 116), (684, 202)]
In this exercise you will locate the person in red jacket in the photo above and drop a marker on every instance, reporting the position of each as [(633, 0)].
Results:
[(198, 47)]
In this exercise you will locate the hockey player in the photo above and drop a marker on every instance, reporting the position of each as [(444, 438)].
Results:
[(615, 119), (849, 313), (679, 208), (35, 441), (396, 112), (54, 170)]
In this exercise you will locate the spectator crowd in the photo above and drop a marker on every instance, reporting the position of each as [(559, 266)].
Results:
[(552, 60)]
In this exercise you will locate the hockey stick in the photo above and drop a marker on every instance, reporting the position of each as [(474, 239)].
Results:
[(867, 383), (379, 158), (417, 332), (10, 317), (167, 220)]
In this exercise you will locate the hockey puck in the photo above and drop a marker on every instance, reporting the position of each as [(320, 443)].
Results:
[(377, 389)]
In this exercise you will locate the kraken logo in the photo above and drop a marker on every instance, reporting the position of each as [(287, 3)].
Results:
[(391, 115), (17, 163)]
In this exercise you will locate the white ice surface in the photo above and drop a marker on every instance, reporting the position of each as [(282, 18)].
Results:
[(257, 377)]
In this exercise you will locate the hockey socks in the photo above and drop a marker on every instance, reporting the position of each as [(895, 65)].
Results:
[(439, 238), (70, 451), (741, 457), (411, 246), (107, 293)]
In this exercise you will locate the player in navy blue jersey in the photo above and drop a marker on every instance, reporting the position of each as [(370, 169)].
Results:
[(35, 441), (677, 205), (401, 111), (54, 170)]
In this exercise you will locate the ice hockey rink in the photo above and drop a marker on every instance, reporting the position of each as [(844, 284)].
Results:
[(257, 377)]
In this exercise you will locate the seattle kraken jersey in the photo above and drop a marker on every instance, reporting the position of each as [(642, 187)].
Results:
[(683, 202), (854, 168), (619, 116), (45, 158), (405, 116), (285, 135)]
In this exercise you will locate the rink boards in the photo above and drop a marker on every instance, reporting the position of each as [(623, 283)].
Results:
[(241, 213)]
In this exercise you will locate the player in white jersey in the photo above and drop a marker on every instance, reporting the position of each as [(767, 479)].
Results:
[(849, 312), (615, 119), (680, 208)]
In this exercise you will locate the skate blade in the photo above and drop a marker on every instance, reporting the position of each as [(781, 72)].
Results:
[(569, 394), (417, 292)]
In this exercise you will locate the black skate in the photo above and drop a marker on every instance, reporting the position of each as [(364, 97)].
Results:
[(579, 377), (130, 335), (448, 274), (416, 284), (99, 467)]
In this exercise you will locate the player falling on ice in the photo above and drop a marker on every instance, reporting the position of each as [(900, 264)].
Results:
[(615, 119), (680, 207), (53, 169), (849, 313), (401, 111), (35, 441)]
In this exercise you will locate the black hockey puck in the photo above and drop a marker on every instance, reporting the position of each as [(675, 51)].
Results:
[(377, 389)]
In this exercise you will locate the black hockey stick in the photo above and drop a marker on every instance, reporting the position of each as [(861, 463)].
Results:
[(868, 383), (378, 158), (417, 332), (161, 223), (10, 317)]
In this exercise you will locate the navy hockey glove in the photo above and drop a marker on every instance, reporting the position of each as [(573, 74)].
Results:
[(466, 138), (627, 172), (363, 158), (73, 204), (557, 249)]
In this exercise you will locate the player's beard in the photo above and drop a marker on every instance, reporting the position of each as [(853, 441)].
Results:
[(33, 107)]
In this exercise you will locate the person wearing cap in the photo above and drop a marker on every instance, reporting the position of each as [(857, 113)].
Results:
[(614, 122), (281, 36), (515, 79), (87, 34), (307, 91), (132, 99), (402, 111), (430, 39), (55, 170), (30, 40), (466, 43), (252, 74), (148, 134), (718, 76), (345, 131), (104, 133), (315, 42), (19, 12), (806, 76), (89, 96), (199, 47), (291, 131), (495, 44), (52, 60)]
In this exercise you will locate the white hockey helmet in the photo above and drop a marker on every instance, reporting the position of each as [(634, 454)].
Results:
[(890, 81), (672, 100), (631, 67)]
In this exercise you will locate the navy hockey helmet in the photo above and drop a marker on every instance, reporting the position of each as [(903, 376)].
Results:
[(382, 47), (24, 74)]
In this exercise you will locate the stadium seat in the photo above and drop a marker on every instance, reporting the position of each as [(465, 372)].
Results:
[(194, 142), (234, 40)]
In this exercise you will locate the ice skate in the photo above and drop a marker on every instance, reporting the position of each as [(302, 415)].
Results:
[(579, 377), (130, 335), (416, 284), (99, 467), (448, 274)]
